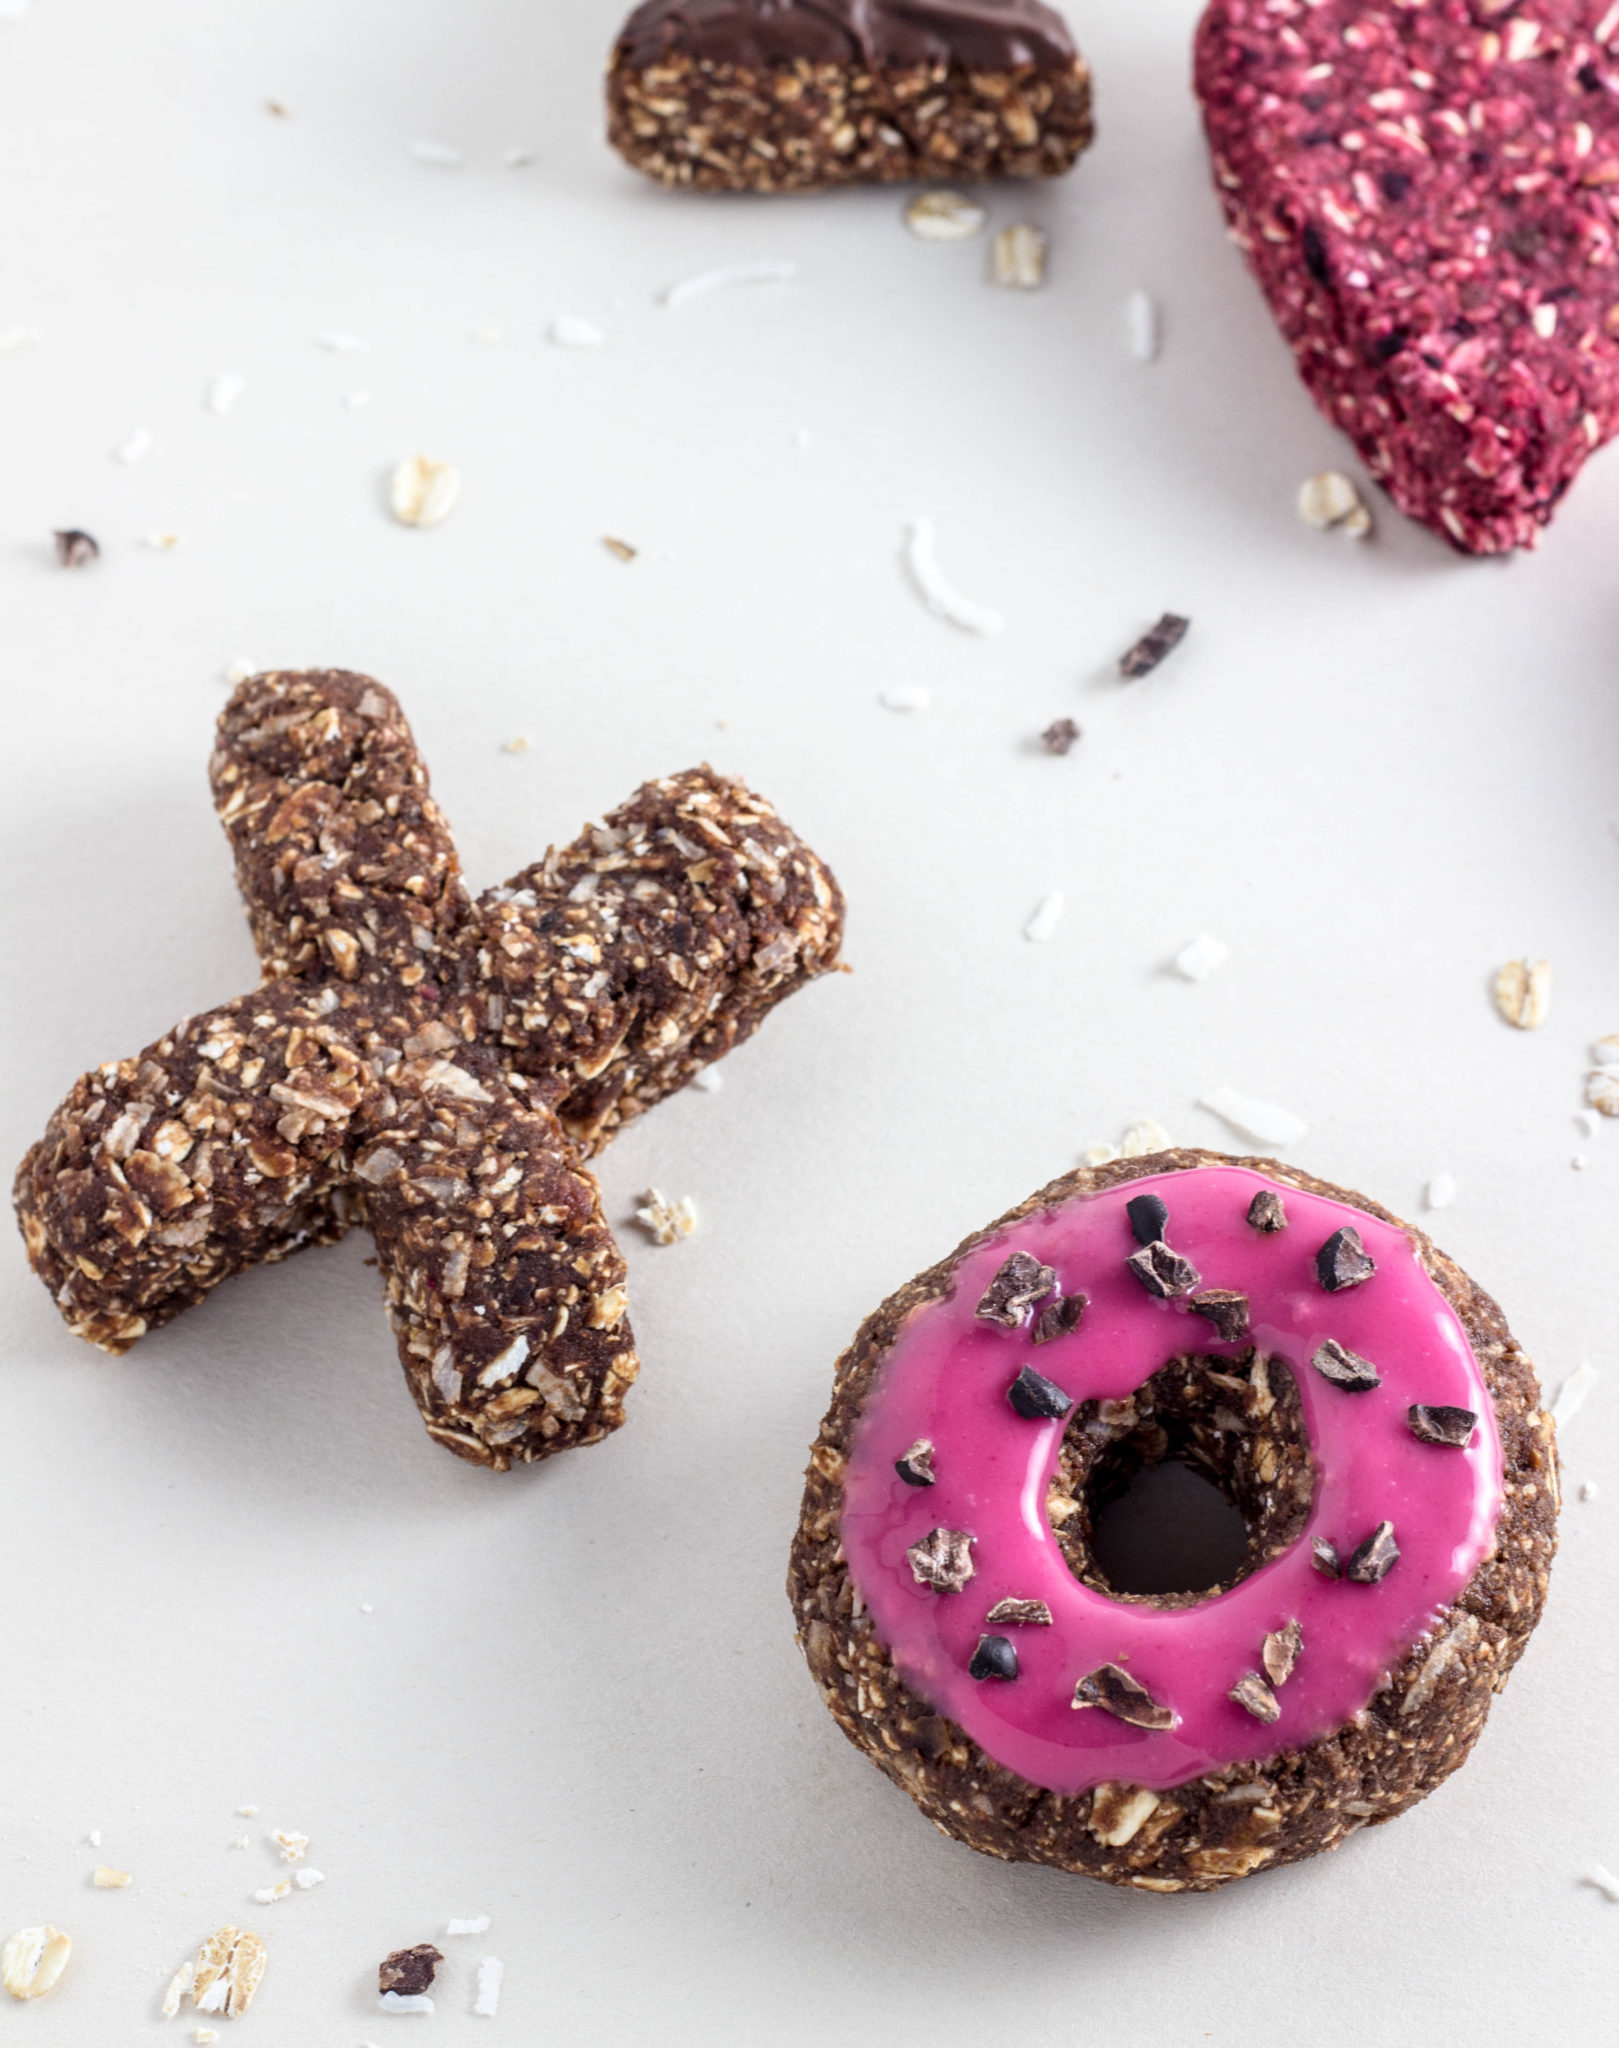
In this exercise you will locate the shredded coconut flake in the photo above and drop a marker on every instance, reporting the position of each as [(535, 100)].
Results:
[(668, 1221), (1044, 919), (1440, 1191), (1253, 1118), (707, 1080), (306, 1880), (404, 2001), (1147, 1135), (1571, 1394), (136, 445), (1588, 1489), (224, 391), (905, 697), (478, 1925), (936, 591), (1603, 1880), (1145, 335), (1199, 957), (764, 271), (568, 330), (490, 1972)]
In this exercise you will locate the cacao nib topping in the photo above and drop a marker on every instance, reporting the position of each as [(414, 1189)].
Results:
[(1375, 1558), (1163, 1272), (409, 1971), (1153, 646), (1020, 1614), (1060, 1318), (1118, 1694), (75, 550), (1227, 1311), (1149, 1218), (1036, 1398), (1059, 736), (1265, 1212), (916, 1467), (1395, 184), (983, 35), (1346, 1369), (1343, 1261), (995, 1657), (1020, 1283), (1252, 1693), (1281, 1651), (1453, 1426), (1315, 253), (1325, 1557), (943, 1559)]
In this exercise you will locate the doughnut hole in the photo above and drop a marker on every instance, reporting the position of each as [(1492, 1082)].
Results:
[(1180, 1491)]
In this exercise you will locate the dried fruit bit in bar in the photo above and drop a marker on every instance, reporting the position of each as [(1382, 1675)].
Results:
[(223, 1978), (1157, 642), (409, 1971), (791, 95)]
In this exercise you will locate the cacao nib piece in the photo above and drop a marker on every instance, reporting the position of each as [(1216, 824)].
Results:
[(943, 1559), (916, 1467), (1060, 1318), (1315, 253), (1149, 1217), (1163, 1272), (1375, 1558), (1227, 1311), (1325, 1558), (1346, 1369), (1281, 1651), (1020, 1613), (1118, 1694), (1019, 1284), (409, 1971), (995, 1657), (1251, 1692), (1342, 1261), (1265, 1212), (1059, 736), (1395, 184), (1036, 1398), (1453, 1426), (1153, 646), (75, 550)]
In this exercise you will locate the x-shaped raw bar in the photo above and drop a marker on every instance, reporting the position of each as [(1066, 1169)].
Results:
[(432, 1067)]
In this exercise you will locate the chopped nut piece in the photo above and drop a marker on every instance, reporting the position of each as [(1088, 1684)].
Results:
[(1345, 1369), (619, 548), (1227, 1311), (423, 491), (1018, 1284), (1149, 1218), (1343, 1261), (1020, 257), (33, 1959), (74, 549), (943, 1559), (409, 1971), (106, 1879), (942, 216), (916, 1467), (1441, 1425), (1252, 1694), (1036, 1398), (1523, 992), (1060, 1318), (1265, 1212), (1059, 736), (1375, 1558), (1163, 1272), (1020, 1613), (1118, 1694), (1330, 502), (668, 1222), (1281, 1652), (995, 1657), (1153, 646)]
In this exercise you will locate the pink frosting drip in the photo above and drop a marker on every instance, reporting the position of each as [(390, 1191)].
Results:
[(946, 1377)]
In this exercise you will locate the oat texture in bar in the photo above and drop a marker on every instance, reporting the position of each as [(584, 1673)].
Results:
[(1427, 196), (792, 95), (433, 1067)]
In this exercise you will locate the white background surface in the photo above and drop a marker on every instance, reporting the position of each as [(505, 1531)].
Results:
[(1375, 772)]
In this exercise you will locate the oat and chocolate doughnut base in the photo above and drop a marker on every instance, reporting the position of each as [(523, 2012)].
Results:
[(1225, 1400)]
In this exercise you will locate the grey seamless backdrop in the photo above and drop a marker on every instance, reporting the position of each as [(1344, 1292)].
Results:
[(237, 1573)]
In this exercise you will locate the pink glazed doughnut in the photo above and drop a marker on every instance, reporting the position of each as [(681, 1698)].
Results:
[(1356, 1396)]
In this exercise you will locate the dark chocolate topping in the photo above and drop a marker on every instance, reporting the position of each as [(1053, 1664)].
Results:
[(986, 35)]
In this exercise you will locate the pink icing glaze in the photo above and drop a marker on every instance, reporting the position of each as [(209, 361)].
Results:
[(945, 1379)]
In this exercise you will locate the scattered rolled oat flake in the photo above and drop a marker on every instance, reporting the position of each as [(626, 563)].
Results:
[(404, 2001), (338, 343), (225, 1975), (519, 743), (136, 445), (1601, 1879), (162, 543), (241, 1842), (14, 10), (267, 1895), (905, 697), (74, 548), (766, 270), (1045, 917), (1440, 1191), (1330, 503), (619, 549), (423, 490), (1605, 1053), (1145, 333), (479, 1924), (490, 1972), (238, 672), (291, 1844), (33, 1959), (17, 337), (1199, 957), (248, 1812), (1100, 1154), (1523, 992), (489, 334), (444, 153), (668, 1222), (1602, 1091), (1020, 257), (1572, 1393), (569, 330), (944, 216), (224, 391), (106, 1879), (1253, 1118), (1059, 736), (1146, 1135), (203, 2036), (936, 590), (1154, 645), (707, 1081)]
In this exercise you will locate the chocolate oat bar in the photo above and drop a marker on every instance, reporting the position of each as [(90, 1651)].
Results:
[(792, 95)]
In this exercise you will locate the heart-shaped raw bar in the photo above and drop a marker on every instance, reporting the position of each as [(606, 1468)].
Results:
[(1428, 193)]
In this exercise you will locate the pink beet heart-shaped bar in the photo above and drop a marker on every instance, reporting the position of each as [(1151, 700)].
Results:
[(1428, 193)]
